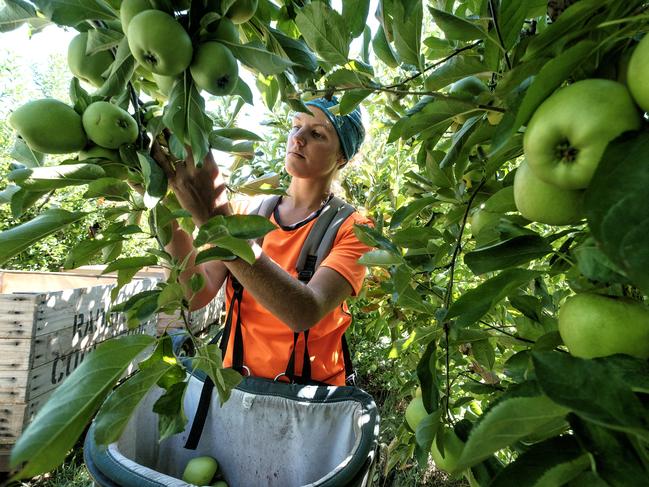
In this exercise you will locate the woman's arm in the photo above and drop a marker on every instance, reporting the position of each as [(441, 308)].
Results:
[(299, 305), (201, 191)]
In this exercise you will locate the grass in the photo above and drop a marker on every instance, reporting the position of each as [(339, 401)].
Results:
[(72, 473)]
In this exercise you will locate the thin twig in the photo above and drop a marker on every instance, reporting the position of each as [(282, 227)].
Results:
[(500, 330), (500, 37), (436, 64)]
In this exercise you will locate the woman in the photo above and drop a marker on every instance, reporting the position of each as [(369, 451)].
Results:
[(275, 305)]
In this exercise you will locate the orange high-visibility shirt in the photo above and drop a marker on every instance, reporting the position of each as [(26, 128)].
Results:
[(267, 341)]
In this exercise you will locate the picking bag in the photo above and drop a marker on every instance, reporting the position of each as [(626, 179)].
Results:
[(268, 434)]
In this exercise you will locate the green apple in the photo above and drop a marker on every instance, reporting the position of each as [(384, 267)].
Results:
[(481, 219), (214, 69), (446, 458), (49, 126), (242, 11), (541, 202), (200, 470), (159, 43), (468, 89), (638, 72), (568, 133), (226, 31), (108, 159), (88, 68), (98, 152), (415, 412), (129, 9), (108, 125), (593, 325), (220, 483)]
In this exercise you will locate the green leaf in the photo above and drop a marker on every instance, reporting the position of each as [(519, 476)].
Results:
[(118, 408), (324, 31), (571, 20), (551, 76), (383, 50), (24, 199), (236, 133), (73, 12), (380, 258), (53, 177), (130, 263), (415, 237), (505, 423), (508, 253), (406, 28), (484, 353), (573, 382), (355, 13), (427, 375), (351, 99), (512, 14), (456, 28), (185, 116), (155, 180), (83, 252), (47, 440), (501, 202), (238, 226), (208, 359), (255, 55), (100, 39), (615, 458), (435, 114), (243, 90), (240, 248), (121, 71), (617, 207), (411, 210), (14, 14), (19, 238), (214, 253), (7, 194), (22, 153), (530, 466), (475, 303), (454, 69), (171, 295), (563, 473), (171, 414), (110, 188), (296, 50)]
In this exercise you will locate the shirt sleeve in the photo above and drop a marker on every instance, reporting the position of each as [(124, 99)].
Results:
[(346, 250)]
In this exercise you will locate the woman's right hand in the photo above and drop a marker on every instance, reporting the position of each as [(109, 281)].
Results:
[(200, 191)]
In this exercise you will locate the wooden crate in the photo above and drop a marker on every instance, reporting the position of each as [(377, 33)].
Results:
[(46, 334)]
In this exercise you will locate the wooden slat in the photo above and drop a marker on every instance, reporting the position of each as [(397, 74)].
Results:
[(5, 453), (57, 310), (15, 354), (17, 316), (13, 417), (49, 375), (13, 386)]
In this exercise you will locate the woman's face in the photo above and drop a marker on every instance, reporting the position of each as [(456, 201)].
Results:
[(313, 148)]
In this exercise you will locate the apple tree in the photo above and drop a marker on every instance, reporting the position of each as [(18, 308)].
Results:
[(505, 173)]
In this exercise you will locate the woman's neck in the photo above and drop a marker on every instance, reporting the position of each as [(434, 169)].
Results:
[(307, 194)]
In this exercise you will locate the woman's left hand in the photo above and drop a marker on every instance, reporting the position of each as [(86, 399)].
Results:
[(200, 191)]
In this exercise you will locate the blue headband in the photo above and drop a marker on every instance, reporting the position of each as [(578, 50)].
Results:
[(348, 127)]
